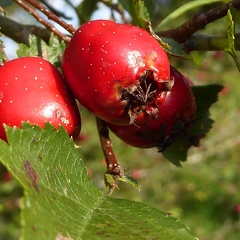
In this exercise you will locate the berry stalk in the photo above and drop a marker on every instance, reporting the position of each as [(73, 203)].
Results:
[(113, 167)]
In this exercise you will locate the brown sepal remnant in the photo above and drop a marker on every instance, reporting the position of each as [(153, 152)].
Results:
[(140, 97)]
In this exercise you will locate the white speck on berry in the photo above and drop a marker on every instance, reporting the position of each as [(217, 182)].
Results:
[(103, 50), (65, 121)]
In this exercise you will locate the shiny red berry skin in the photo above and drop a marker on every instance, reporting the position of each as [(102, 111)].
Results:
[(117, 71), (32, 90), (177, 109)]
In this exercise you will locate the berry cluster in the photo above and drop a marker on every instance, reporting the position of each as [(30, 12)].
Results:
[(118, 72), (122, 74)]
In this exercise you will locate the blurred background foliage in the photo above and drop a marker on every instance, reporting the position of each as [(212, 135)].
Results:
[(204, 194)]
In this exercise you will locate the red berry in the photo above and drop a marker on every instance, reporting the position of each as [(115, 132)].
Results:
[(32, 90), (177, 108), (116, 71)]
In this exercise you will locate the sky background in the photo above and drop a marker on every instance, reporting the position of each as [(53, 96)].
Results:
[(20, 15)]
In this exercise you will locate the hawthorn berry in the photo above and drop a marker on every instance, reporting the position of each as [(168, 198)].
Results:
[(177, 109), (33, 90), (117, 71)]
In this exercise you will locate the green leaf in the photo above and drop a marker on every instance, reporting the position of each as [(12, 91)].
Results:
[(231, 37), (37, 47), (150, 5), (60, 200), (205, 96), (174, 48), (181, 10), (2, 54), (139, 13), (177, 152), (5, 3), (85, 10)]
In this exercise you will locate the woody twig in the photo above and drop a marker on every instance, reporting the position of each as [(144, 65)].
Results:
[(46, 23)]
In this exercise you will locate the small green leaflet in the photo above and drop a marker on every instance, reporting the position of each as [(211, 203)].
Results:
[(174, 48), (139, 13), (37, 47), (2, 55), (85, 10), (231, 37)]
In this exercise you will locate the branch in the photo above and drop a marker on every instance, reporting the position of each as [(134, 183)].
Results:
[(52, 16), (236, 3), (47, 24), (200, 42), (20, 33), (197, 22)]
